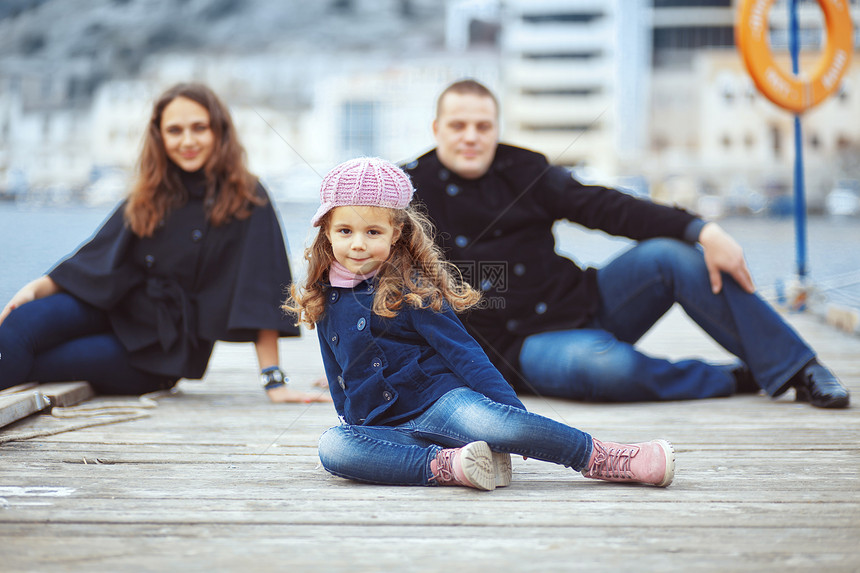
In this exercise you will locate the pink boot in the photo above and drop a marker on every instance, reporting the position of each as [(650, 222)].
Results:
[(649, 462), (471, 466)]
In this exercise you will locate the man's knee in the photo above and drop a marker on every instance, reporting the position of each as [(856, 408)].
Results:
[(672, 252)]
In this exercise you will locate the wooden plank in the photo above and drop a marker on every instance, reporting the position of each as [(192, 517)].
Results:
[(19, 388), (64, 394), (14, 407), (23, 400), (303, 547), (63, 506)]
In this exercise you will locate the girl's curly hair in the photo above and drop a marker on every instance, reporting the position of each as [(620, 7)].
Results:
[(416, 272)]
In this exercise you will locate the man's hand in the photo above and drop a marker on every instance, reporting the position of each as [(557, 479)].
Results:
[(285, 394), (724, 254)]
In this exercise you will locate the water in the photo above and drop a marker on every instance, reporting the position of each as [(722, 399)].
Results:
[(832, 260), (34, 238)]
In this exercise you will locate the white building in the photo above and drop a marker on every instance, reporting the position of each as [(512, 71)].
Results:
[(42, 134), (576, 80), (713, 133)]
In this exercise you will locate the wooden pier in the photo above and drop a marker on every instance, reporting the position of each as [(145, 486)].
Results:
[(215, 478)]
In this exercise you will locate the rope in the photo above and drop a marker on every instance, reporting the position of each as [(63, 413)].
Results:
[(106, 413)]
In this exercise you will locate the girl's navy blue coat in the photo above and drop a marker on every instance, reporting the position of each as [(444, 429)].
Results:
[(385, 371)]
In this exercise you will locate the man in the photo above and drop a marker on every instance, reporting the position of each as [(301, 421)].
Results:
[(558, 330)]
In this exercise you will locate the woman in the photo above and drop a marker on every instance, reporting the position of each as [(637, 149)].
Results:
[(195, 254)]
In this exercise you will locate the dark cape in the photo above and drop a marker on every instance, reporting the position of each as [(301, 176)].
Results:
[(170, 296)]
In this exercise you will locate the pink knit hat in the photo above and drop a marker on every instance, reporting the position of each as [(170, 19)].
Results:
[(367, 181)]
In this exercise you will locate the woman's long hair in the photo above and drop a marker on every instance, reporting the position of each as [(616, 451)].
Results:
[(416, 272), (230, 187)]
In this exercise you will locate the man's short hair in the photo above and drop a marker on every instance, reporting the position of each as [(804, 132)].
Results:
[(467, 86)]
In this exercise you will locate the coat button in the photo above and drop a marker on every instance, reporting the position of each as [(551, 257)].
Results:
[(333, 296), (519, 269), (452, 190), (361, 323), (461, 241), (387, 396), (376, 362), (334, 338), (369, 287), (540, 307), (444, 174), (149, 261), (196, 235), (341, 383)]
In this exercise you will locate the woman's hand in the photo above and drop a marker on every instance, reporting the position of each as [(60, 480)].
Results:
[(267, 355), (286, 394), (39, 288), (23, 296)]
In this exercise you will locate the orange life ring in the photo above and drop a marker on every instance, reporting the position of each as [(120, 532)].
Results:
[(801, 92)]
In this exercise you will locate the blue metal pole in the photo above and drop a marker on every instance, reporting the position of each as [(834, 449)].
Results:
[(799, 191)]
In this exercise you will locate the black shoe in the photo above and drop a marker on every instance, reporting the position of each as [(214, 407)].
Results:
[(820, 387)]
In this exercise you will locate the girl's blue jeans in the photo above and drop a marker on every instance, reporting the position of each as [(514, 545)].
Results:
[(401, 455), (60, 338), (600, 362)]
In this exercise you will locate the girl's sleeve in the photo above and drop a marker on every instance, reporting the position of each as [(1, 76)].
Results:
[(447, 335), (101, 272)]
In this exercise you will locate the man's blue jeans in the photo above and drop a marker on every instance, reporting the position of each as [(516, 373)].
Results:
[(401, 455), (60, 338), (600, 363)]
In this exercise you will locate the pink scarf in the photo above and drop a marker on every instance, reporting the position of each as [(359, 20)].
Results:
[(340, 276)]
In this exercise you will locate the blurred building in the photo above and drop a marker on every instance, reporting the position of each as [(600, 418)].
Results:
[(576, 80), (44, 133), (308, 83), (714, 139), (655, 91), (650, 93)]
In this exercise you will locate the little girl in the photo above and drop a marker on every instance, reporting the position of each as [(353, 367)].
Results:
[(419, 401)]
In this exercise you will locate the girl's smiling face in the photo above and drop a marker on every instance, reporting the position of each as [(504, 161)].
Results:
[(361, 237)]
